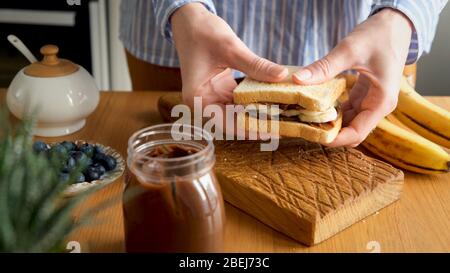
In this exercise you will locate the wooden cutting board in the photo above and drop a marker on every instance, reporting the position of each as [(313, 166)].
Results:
[(304, 190)]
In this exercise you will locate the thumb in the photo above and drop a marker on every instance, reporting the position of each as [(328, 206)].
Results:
[(256, 67), (337, 61)]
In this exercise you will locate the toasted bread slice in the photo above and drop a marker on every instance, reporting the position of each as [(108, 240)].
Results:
[(315, 132), (312, 97)]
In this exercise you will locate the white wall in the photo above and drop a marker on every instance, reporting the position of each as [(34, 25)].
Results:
[(433, 76), (120, 77)]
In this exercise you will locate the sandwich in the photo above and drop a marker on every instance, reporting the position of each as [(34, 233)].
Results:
[(311, 112)]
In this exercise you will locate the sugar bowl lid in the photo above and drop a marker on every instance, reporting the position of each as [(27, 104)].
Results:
[(51, 65)]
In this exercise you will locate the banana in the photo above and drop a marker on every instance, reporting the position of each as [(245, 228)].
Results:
[(426, 133), (422, 116), (397, 122), (321, 117), (406, 149)]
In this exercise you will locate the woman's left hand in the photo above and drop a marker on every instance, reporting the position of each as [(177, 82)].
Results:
[(377, 49)]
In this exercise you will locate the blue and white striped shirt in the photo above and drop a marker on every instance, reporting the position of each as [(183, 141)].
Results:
[(291, 32)]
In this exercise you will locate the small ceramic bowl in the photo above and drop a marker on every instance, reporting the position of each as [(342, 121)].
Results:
[(106, 179)]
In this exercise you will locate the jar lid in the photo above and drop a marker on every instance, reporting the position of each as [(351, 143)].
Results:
[(51, 65)]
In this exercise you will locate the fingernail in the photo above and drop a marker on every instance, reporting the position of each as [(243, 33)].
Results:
[(304, 74)]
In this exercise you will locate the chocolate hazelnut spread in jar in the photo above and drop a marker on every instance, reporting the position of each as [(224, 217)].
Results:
[(172, 201)]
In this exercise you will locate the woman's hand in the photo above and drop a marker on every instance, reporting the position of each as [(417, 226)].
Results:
[(377, 49), (208, 49)]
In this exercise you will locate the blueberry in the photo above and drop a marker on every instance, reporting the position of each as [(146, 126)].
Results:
[(87, 149), (91, 174), (59, 150), (40, 147), (76, 155), (98, 150), (81, 178), (58, 155), (64, 177), (110, 163), (81, 159), (100, 169), (99, 158), (69, 145), (107, 161), (69, 165)]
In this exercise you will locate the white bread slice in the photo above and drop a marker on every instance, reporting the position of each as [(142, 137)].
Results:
[(323, 133), (312, 97)]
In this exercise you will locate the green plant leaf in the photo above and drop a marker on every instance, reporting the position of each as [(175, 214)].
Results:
[(34, 217)]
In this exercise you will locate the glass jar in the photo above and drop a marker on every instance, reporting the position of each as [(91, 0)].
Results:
[(172, 201)]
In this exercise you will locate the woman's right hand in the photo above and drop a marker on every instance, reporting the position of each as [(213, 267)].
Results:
[(208, 49)]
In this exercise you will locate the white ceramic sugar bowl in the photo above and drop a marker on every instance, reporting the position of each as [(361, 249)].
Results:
[(59, 93)]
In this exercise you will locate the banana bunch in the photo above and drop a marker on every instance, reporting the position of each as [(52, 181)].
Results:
[(410, 137), (422, 116), (407, 150)]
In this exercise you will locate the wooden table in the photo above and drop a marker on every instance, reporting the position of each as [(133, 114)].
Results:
[(419, 222)]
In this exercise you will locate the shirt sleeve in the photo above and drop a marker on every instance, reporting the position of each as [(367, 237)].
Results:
[(424, 16), (163, 9)]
